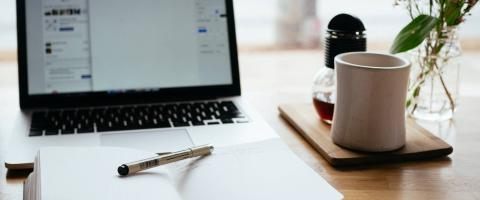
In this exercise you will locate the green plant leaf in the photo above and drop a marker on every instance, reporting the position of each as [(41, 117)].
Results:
[(414, 33), (453, 10)]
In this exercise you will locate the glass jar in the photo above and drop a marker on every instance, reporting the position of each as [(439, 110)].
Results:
[(324, 95), (435, 77)]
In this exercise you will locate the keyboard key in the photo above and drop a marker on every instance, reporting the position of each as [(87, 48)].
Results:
[(161, 124), (67, 132), (85, 130), (105, 129), (51, 132), (39, 119), (35, 132), (213, 123), (39, 125), (198, 123), (227, 121), (180, 124)]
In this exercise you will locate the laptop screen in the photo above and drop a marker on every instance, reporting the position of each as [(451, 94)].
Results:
[(117, 46)]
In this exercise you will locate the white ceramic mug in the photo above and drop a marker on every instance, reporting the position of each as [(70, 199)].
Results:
[(369, 112)]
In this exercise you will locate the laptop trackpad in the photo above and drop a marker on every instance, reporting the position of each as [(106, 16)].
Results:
[(154, 141)]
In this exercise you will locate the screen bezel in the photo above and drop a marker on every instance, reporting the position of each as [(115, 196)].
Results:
[(28, 101)]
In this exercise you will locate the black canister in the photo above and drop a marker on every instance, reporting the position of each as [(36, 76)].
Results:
[(345, 33)]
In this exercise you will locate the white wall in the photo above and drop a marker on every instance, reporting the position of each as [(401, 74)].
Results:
[(256, 19)]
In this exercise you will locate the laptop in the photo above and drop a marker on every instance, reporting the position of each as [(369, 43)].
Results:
[(157, 75)]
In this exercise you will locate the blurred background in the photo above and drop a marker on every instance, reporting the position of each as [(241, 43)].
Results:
[(290, 24), (300, 23)]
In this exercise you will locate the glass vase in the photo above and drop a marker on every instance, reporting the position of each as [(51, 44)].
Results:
[(434, 83)]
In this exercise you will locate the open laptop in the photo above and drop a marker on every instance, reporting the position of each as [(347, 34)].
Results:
[(158, 75)]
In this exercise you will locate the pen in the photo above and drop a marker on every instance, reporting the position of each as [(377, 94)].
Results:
[(133, 167)]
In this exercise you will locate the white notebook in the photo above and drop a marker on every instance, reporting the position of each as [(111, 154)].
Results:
[(262, 170)]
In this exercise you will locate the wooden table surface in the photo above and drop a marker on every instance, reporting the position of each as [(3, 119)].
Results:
[(273, 78)]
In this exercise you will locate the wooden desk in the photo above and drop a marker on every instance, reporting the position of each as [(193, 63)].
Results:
[(271, 78)]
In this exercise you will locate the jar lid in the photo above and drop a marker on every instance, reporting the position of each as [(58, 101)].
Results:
[(345, 23)]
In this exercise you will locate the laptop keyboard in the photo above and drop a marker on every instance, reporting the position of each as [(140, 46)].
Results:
[(122, 118)]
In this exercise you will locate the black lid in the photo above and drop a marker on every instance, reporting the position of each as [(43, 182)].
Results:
[(345, 34), (345, 23)]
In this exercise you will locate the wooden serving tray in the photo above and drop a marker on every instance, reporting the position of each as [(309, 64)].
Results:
[(421, 144)]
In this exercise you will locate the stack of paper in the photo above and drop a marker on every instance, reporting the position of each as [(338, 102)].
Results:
[(263, 170)]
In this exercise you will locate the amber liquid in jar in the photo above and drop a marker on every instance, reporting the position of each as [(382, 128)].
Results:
[(324, 109), (324, 94)]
